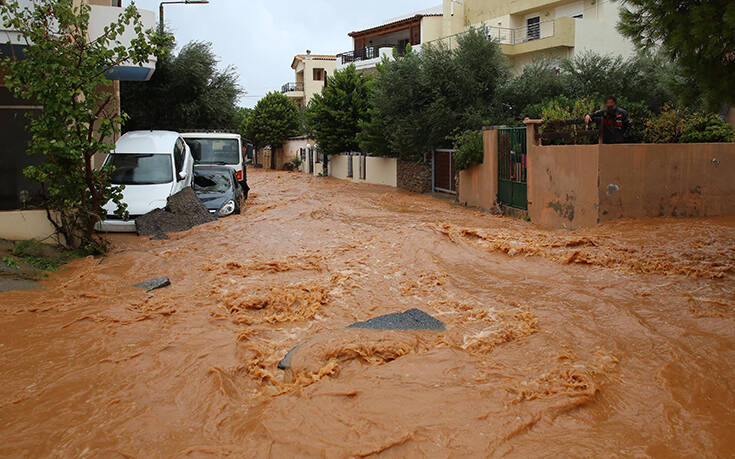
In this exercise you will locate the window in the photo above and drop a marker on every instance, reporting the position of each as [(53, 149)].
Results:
[(579, 16), (319, 74), (179, 150), (140, 169), (212, 182), (533, 28), (214, 151)]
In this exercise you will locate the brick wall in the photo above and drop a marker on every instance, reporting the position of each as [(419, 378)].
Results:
[(414, 176)]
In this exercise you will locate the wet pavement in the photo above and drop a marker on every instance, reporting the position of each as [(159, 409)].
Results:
[(612, 341)]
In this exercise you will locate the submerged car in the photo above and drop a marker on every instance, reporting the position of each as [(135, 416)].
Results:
[(152, 165), (218, 188)]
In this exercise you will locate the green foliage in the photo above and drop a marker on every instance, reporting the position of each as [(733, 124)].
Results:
[(419, 100), (11, 262), (679, 125), (274, 119), (696, 35), (296, 161), (334, 116), (707, 127), (187, 91), (470, 148), (241, 116), (65, 72), (539, 82), (564, 109)]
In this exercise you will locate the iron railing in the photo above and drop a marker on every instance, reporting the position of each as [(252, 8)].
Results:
[(365, 54), (504, 35), (291, 87)]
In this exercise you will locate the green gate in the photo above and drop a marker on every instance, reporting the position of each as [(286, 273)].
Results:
[(512, 175)]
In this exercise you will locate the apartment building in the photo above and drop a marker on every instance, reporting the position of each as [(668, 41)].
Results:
[(17, 193), (526, 30), (310, 76)]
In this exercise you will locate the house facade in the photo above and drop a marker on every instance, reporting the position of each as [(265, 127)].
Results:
[(310, 76), (17, 193), (527, 30), (371, 45)]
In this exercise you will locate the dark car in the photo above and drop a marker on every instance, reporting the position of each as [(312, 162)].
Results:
[(219, 189)]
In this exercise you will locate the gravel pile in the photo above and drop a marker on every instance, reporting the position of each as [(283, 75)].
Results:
[(183, 212)]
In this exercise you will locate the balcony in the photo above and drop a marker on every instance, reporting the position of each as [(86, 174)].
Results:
[(541, 36), (368, 57), (292, 88)]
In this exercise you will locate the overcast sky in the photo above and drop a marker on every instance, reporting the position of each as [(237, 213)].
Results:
[(260, 37)]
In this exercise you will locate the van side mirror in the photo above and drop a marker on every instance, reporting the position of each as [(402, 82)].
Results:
[(183, 175)]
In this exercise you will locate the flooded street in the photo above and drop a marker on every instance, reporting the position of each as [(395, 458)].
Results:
[(616, 340)]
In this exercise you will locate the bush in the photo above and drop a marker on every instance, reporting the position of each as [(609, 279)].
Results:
[(678, 125), (667, 127), (470, 148), (707, 127), (296, 162), (566, 109)]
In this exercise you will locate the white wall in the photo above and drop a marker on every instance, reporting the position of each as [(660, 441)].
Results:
[(378, 171)]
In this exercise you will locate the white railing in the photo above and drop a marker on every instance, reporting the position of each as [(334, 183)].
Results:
[(504, 35)]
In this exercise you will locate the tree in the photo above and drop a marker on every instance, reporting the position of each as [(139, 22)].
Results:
[(334, 116), (274, 119), (420, 101), (65, 72), (187, 91), (697, 35)]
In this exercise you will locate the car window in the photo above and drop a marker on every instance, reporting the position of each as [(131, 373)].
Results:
[(212, 183), (179, 155), (140, 169), (215, 151)]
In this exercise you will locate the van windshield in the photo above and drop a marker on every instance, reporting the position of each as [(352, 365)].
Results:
[(215, 151), (140, 169)]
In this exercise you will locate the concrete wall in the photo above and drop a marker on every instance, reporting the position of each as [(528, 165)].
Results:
[(378, 170), (17, 225), (478, 184), (562, 186), (574, 186), (678, 180)]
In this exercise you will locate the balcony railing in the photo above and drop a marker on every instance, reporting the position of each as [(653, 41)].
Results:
[(504, 35), (292, 87), (365, 54)]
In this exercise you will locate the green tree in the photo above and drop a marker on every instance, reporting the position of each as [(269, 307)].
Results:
[(274, 119), (187, 91), (696, 35), (420, 101), (65, 72), (334, 116)]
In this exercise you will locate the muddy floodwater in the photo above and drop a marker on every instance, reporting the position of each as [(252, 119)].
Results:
[(612, 341)]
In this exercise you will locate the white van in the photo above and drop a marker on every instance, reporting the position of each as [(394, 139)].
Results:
[(152, 165), (219, 149)]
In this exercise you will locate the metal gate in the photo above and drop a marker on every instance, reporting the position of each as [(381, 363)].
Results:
[(444, 173), (512, 171)]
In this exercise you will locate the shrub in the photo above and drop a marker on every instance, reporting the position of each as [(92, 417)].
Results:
[(296, 162), (565, 109), (469, 146), (667, 127), (707, 127)]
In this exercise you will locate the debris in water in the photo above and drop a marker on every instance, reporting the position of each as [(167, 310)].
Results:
[(183, 211), (154, 284), (413, 319)]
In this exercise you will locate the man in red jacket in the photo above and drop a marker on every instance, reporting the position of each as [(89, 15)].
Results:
[(615, 121)]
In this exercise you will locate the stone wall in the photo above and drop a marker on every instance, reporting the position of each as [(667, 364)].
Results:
[(414, 176)]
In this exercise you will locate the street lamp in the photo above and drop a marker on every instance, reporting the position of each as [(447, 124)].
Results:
[(187, 2)]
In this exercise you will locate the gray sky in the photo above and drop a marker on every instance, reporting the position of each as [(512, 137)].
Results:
[(260, 37)]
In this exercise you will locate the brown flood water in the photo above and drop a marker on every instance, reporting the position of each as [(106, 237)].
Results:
[(612, 341)]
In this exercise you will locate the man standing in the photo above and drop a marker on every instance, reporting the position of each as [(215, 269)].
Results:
[(615, 121)]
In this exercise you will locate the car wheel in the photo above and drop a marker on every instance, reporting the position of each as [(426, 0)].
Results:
[(238, 205)]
